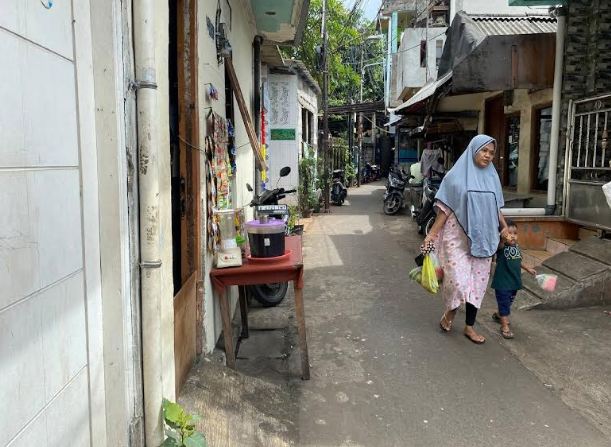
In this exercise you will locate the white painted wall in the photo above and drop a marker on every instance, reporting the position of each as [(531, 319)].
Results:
[(241, 35), (407, 69), (50, 313), (284, 114)]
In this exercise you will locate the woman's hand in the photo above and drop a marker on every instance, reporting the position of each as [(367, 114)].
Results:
[(504, 233), (504, 228), (430, 238)]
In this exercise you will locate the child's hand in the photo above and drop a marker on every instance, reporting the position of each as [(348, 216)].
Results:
[(531, 271)]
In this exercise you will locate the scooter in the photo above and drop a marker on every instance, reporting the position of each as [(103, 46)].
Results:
[(375, 173), (271, 294), (338, 191), (425, 217), (394, 197)]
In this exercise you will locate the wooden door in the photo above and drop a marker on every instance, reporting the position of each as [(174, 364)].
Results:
[(188, 301), (494, 126)]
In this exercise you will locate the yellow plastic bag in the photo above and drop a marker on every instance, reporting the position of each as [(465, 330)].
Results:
[(429, 276)]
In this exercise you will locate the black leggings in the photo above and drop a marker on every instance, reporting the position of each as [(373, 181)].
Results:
[(471, 314)]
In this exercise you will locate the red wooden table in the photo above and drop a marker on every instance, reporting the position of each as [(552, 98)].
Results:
[(250, 273)]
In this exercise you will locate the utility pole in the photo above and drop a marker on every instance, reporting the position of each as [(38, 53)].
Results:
[(360, 125), (325, 104)]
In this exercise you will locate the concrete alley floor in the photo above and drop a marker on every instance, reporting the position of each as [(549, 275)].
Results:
[(383, 374)]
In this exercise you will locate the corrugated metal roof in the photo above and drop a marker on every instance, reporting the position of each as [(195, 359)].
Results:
[(505, 25)]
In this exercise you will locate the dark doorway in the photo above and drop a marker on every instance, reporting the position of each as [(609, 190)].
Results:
[(495, 127)]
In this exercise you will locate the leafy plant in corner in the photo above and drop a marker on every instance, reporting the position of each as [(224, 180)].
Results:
[(307, 173), (293, 215), (180, 427)]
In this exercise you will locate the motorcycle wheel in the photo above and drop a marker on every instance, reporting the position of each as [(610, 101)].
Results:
[(392, 205), (270, 295)]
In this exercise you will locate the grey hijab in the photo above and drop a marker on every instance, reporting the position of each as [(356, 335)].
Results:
[(475, 196)]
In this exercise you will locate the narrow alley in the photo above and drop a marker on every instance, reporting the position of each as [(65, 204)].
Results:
[(382, 372)]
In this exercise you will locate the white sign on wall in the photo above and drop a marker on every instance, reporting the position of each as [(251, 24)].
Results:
[(283, 102)]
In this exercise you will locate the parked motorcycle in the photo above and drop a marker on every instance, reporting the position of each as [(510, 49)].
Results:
[(394, 197), (370, 173), (272, 294), (338, 191), (375, 173), (425, 216)]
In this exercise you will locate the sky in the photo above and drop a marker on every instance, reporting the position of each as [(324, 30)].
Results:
[(369, 7)]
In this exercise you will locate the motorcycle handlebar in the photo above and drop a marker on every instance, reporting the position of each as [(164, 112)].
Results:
[(290, 191)]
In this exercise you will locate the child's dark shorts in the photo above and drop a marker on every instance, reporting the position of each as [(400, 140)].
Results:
[(504, 299)]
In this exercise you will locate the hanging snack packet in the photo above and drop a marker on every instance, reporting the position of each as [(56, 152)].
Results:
[(547, 281)]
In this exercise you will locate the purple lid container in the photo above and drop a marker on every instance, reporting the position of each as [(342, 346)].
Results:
[(272, 226)]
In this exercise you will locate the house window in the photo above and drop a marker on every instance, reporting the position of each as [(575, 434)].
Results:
[(543, 128), (423, 53), (438, 52)]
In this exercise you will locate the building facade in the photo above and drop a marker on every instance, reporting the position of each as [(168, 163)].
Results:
[(104, 256)]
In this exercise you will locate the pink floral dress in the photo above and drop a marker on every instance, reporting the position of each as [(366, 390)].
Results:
[(465, 277)]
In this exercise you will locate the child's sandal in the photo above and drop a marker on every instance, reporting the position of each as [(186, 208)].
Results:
[(506, 333)]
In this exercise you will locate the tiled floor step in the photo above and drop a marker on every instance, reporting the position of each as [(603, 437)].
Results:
[(557, 245), (534, 258)]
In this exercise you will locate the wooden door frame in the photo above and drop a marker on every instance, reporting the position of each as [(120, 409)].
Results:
[(188, 302), (500, 141)]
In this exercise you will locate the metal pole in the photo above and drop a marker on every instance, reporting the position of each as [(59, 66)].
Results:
[(150, 245), (325, 102), (360, 128), (556, 106)]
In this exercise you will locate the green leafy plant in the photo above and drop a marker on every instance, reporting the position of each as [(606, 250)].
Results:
[(180, 427), (307, 176), (293, 215)]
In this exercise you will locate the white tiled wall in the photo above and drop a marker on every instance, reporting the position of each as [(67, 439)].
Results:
[(43, 329)]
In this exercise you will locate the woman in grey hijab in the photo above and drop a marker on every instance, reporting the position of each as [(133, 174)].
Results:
[(466, 231)]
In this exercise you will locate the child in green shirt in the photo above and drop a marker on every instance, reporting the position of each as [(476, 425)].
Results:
[(507, 278)]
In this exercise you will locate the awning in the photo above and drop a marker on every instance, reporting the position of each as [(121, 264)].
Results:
[(393, 120), (488, 52), (421, 95)]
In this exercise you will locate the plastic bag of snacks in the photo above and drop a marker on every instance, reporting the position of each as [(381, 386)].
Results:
[(547, 281), (416, 274), (429, 276), (437, 266)]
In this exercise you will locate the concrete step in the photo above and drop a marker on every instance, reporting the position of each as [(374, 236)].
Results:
[(586, 233), (525, 300), (562, 294), (534, 258), (594, 248), (575, 265), (557, 245)]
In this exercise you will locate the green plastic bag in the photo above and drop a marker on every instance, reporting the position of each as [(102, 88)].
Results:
[(429, 275)]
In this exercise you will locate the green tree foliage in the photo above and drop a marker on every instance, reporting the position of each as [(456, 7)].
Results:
[(347, 32)]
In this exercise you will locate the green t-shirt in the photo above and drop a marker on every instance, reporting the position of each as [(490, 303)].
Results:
[(508, 273)]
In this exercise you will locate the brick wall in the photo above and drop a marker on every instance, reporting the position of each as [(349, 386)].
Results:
[(587, 61)]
